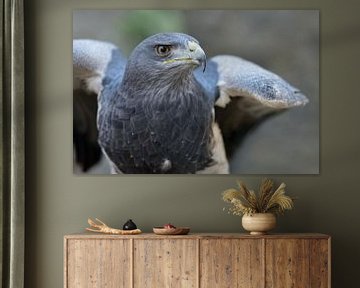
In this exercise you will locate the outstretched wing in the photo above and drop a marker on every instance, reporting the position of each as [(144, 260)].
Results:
[(245, 94), (95, 64)]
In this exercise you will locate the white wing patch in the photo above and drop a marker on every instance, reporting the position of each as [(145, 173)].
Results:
[(90, 59), (221, 165), (241, 78), (224, 97)]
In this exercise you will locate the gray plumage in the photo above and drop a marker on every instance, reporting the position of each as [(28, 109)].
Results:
[(156, 111)]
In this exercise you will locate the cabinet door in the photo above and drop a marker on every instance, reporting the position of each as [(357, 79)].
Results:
[(231, 263), (98, 263), (287, 263), (164, 263)]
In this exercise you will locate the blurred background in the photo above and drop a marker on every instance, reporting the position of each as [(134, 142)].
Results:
[(285, 42)]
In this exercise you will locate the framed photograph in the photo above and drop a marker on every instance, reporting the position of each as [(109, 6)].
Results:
[(223, 106)]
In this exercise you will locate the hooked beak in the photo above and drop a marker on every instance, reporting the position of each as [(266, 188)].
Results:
[(192, 54), (197, 53)]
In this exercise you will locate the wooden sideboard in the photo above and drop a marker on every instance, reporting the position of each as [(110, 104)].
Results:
[(197, 260)]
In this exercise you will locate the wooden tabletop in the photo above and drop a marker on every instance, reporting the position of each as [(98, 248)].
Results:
[(89, 235)]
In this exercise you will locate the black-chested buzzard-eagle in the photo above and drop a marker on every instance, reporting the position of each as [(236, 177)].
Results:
[(167, 109)]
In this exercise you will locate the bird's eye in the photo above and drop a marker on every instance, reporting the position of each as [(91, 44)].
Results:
[(163, 50)]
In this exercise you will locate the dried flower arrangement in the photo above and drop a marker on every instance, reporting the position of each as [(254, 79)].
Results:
[(268, 200)]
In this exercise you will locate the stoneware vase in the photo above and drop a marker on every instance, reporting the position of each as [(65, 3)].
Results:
[(259, 223)]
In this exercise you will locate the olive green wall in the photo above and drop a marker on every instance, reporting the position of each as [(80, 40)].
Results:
[(59, 202)]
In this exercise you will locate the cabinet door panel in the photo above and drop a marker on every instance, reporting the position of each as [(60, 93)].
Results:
[(98, 263), (169, 263), (287, 263), (231, 263)]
